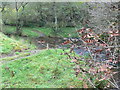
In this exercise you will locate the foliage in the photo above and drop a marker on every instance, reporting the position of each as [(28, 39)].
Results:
[(41, 14), (103, 56)]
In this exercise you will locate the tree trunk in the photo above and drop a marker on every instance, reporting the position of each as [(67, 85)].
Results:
[(19, 23), (56, 21), (1, 23), (18, 32)]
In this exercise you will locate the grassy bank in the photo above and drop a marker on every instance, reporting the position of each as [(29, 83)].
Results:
[(9, 45), (47, 69), (44, 69), (32, 31)]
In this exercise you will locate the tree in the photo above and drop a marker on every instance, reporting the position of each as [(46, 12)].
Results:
[(52, 15), (103, 15), (19, 23), (2, 6)]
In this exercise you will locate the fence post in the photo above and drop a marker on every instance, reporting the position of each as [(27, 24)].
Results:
[(47, 46)]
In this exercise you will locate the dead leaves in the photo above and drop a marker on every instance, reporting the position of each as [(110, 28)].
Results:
[(114, 33), (66, 42), (98, 47), (74, 61), (85, 85)]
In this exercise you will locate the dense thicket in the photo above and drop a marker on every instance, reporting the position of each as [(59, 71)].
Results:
[(45, 14)]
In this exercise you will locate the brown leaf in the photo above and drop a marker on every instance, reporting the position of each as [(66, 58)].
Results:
[(80, 79), (71, 87), (92, 70), (85, 85), (104, 45), (74, 60), (81, 30), (99, 50), (89, 30), (77, 66), (115, 34), (42, 41), (66, 42), (103, 68)]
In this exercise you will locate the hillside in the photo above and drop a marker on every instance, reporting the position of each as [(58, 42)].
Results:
[(38, 71), (8, 45), (26, 69)]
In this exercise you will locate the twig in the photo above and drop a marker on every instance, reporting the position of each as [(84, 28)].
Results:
[(113, 84), (113, 46), (114, 81), (88, 79)]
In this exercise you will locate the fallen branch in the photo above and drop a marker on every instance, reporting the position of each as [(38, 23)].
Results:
[(112, 46)]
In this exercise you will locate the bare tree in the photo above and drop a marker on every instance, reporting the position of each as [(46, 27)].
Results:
[(2, 6), (103, 15), (18, 5), (56, 21)]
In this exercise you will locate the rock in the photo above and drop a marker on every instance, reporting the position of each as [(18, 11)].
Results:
[(81, 51)]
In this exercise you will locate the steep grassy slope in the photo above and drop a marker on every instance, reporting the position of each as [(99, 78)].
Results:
[(47, 69), (8, 45)]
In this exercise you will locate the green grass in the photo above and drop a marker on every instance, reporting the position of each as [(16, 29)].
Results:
[(64, 31), (15, 56), (9, 29), (8, 45), (31, 31), (25, 31), (45, 30), (69, 30), (47, 69)]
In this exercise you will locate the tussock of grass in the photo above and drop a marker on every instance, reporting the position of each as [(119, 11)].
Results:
[(7, 45)]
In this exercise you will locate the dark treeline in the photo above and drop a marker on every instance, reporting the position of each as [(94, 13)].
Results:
[(57, 15), (45, 14)]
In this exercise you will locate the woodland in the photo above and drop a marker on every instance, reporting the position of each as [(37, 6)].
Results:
[(59, 45)]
